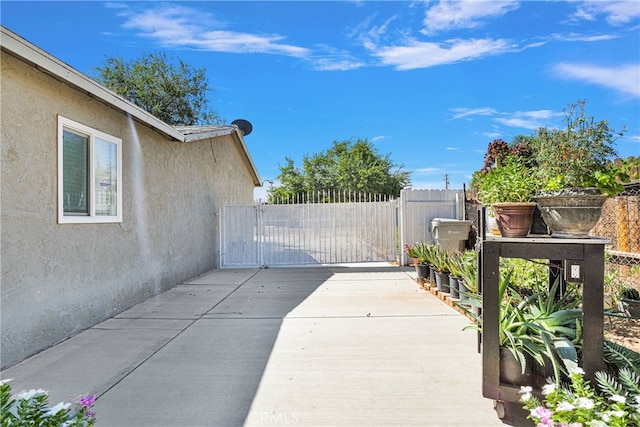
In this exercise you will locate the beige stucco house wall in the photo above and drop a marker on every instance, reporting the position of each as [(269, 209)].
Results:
[(58, 279)]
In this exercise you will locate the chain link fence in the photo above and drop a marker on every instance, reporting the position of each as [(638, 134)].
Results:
[(620, 223)]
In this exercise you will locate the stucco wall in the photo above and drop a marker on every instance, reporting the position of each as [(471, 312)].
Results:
[(60, 279)]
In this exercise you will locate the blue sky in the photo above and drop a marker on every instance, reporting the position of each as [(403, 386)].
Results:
[(430, 83)]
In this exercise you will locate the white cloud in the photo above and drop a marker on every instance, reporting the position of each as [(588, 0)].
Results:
[(491, 135), (174, 26), (624, 79), (446, 15), (464, 112), (427, 171), (332, 64), (416, 54), (528, 119), (576, 37), (615, 12), (377, 138)]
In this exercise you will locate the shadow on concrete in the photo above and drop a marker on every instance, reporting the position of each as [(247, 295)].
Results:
[(210, 372)]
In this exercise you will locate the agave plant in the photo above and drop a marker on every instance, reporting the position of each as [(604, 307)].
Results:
[(469, 270), (425, 253), (536, 325), (441, 259)]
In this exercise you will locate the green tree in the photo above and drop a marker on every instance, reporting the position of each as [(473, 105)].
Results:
[(352, 167), (171, 90)]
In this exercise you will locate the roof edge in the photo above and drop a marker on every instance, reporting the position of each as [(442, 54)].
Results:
[(19, 47)]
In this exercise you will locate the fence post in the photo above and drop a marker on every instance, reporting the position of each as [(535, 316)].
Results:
[(401, 220)]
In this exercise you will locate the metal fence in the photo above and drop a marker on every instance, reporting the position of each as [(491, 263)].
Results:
[(312, 229), (620, 223), (332, 227)]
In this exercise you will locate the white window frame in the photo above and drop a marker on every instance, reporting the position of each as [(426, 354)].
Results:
[(68, 124)]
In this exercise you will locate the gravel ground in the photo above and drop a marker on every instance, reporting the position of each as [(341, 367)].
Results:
[(624, 331)]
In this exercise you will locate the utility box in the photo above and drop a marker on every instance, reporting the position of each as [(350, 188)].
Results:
[(450, 233)]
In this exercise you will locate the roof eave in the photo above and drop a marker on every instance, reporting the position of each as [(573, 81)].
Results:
[(16, 46)]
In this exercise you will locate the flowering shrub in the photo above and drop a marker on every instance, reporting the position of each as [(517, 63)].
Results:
[(30, 408), (579, 404)]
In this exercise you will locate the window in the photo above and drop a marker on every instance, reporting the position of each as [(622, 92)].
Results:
[(89, 174)]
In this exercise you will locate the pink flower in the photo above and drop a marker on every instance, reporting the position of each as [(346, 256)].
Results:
[(88, 401), (542, 413)]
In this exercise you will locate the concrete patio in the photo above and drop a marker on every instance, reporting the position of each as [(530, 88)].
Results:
[(357, 345)]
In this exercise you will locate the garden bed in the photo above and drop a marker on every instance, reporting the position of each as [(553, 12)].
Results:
[(623, 331)]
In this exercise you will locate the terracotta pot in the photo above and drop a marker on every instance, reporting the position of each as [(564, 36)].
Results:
[(514, 219)]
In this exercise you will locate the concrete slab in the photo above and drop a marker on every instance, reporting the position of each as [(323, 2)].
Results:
[(226, 276), (367, 371), (265, 299), (323, 346), (207, 376), (94, 360), (358, 297), (181, 302)]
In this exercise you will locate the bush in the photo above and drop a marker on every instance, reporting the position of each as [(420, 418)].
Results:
[(30, 408)]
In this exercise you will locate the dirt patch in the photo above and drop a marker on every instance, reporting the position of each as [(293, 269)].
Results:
[(624, 331)]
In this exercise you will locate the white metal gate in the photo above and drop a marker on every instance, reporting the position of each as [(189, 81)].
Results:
[(362, 228), (308, 233)]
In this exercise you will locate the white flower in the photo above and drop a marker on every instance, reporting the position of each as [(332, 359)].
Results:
[(597, 423), (565, 406), (618, 398), (618, 414), (26, 395), (576, 370), (585, 403), (525, 391), (548, 389), (59, 407)]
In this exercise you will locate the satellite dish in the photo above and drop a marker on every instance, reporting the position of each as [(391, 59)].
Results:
[(244, 126)]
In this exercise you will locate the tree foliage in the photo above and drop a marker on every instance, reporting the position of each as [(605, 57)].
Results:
[(171, 90), (352, 167)]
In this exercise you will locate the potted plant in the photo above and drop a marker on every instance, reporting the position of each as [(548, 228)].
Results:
[(510, 188), (574, 166), (630, 302), (441, 265), (468, 283), (423, 255), (536, 331)]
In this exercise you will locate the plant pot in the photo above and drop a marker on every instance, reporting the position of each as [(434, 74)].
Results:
[(571, 213), (463, 290), (453, 286), (423, 272), (631, 307), (514, 219), (511, 370), (442, 281), (432, 276)]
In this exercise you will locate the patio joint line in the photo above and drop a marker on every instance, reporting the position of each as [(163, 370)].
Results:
[(180, 332)]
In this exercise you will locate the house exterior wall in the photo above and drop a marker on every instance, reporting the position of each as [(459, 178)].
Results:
[(59, 279)]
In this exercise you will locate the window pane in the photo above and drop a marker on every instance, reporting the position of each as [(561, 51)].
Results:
[(75, 170), (106, 184)]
